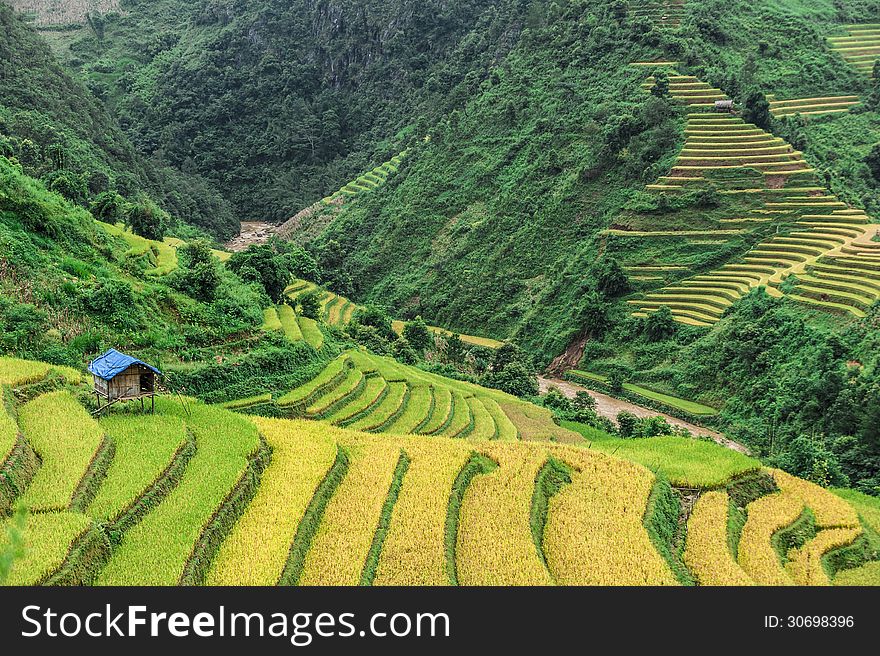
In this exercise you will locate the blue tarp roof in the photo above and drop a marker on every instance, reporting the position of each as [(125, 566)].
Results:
[(113, 363)]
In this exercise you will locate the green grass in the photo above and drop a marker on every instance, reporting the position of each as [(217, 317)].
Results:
[(672, 401), (311, 332), (156, 551), (47, 541), (66, 438), (145, 447), (683, 461)]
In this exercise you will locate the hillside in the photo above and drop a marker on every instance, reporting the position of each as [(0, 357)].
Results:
[(452, 208), (61, 133), (125, 500), (293, 98)]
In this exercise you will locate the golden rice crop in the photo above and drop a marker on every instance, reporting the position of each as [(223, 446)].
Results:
[(15, 372), (257, 548), (595, 533), (47, 540), (831, 511), (766, 516), (706, 552), (66, 437), (867, 574), (805, 564), (495, 544), (339, 549), (414, 553)]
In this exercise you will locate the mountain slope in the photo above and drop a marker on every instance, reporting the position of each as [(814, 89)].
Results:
[(42, 104)]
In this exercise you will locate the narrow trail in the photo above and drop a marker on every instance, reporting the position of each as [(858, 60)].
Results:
[(608, 406)]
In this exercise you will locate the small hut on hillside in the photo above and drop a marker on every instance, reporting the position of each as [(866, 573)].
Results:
[(725, 106), (120, 377)]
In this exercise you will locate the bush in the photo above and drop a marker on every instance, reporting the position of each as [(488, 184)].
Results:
[(146, 219), (418, 335), (310, 305)]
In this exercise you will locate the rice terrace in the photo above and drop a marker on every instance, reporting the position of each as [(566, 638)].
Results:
[(490, 293)]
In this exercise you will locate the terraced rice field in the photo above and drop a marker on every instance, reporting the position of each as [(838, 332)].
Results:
[(161, 255), (812, 106), (338, 311), (199, 495), (666, 13), (371, 180), (859, 46), (819, 239), (374, 394)]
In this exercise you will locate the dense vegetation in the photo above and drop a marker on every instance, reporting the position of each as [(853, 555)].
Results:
[(61, 133)]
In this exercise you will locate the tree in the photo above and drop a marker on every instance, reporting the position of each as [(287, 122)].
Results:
[(873, 161), (611, 279), (198, 274), (660, 325), (418, 335), (583, 401), (108, 207), (626, 423), (146, 219), (757, 110), (661, 84), (454, 349), (376, 316), (310, 304), (516, 379), (403, 351)]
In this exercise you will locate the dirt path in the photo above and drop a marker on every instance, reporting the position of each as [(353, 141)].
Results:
[(252, 232), (608, 406)]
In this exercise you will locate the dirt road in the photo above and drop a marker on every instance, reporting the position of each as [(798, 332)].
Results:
[(608, 406)]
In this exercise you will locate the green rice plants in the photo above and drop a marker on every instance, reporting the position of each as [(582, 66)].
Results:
[(350, 387), (158, 550), (271, 320), (328, 379), (15, 372), (361, 406), (387, 412), (145, 448), (289, 324), (67, 439), (311, 332), (685, 462), (48, 538), (418, 411)]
